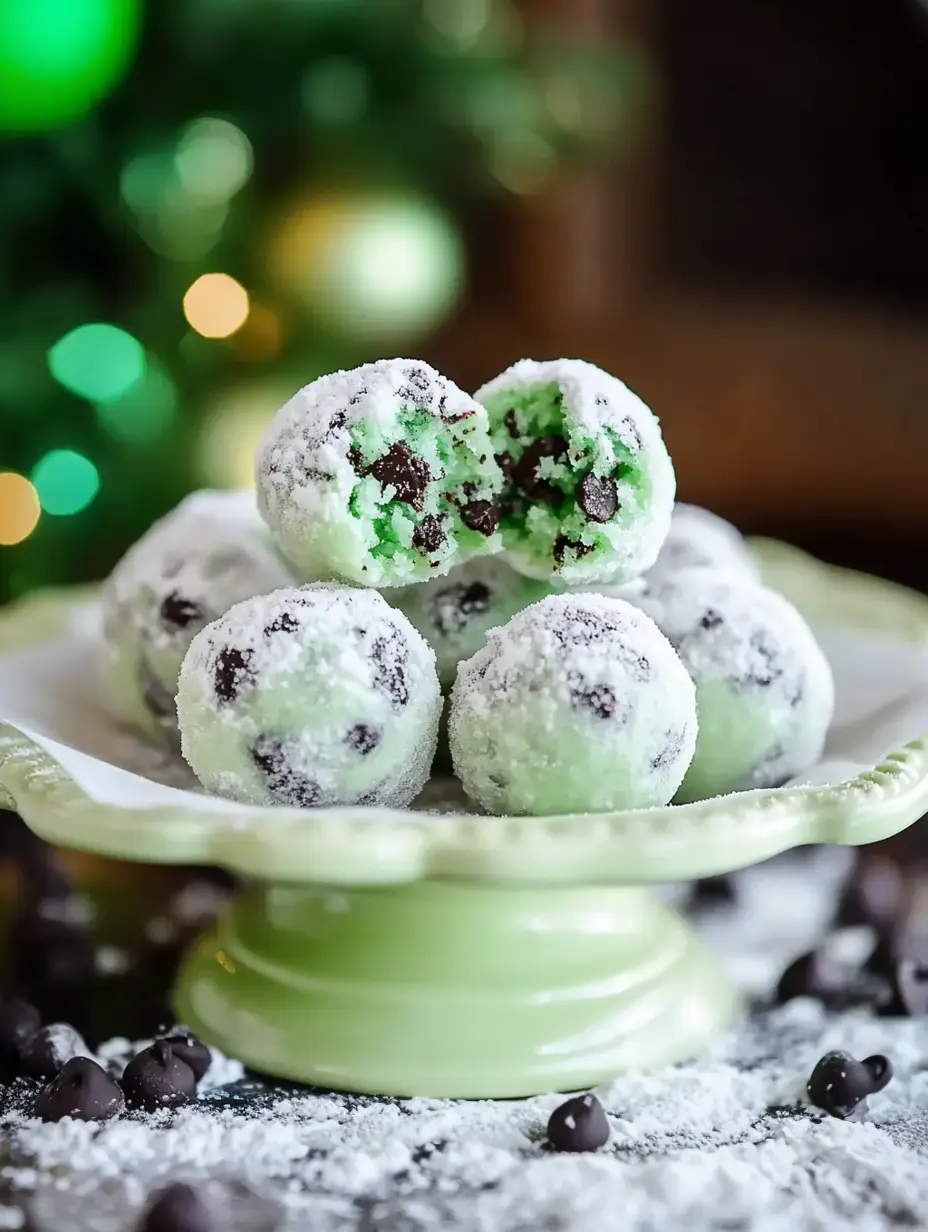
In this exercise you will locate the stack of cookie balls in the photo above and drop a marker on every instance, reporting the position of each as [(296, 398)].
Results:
[(515, 558)]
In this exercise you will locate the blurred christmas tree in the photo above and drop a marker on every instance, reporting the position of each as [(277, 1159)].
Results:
[(205, 205)]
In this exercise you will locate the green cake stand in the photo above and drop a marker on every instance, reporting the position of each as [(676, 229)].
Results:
[(448, 954)]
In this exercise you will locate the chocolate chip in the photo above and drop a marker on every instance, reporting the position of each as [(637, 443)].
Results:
[(505, 463), (713, 891), (814, 975), (578, 1125), (177, 1208), (908, 989), (839, 1084), (408, 475), (18, 1021), (428, 535), (47, 1051), (363, 739), (287, 784), (356, 458), (453, 606), (673, 736), (710, 619), (481, 516), (83, 1090), (771, 659), (157, 1078), (526, 474), (176, 612), (419, 388), (192, 1051), (389, 655), (599, 699), (233, 670), (284, 623), (598, 497), (562, 544), (338, 421), (512, 423), (358, 396)]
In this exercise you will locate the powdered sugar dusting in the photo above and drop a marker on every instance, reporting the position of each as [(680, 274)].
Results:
[(758, 669), (599, 413), (322, 498), (319, 695), (190, 567), (579, 703), (723, 1142)]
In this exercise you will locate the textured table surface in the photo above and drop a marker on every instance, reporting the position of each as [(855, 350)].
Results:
[(718, 1143)]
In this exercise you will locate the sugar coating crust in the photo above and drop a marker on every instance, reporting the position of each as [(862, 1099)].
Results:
[(382, 475), (764, 688), (698, 537), (321, 695), (455, 613), (208, 553), (591, 482), (579, 704)]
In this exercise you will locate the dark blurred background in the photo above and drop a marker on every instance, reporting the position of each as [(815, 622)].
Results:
[(205, 205)]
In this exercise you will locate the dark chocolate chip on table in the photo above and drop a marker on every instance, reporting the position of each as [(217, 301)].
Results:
[(713, 891), (45, 1053), (908, 988), (192, 1051), (580, 1124), (83, 1091), (815, 975), (177, 1208), (840, 1084), (157, 1078)]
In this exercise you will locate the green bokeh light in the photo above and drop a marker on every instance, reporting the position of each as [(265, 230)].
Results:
[(146, 412), (58, 58), (98, 362), (66, 482)]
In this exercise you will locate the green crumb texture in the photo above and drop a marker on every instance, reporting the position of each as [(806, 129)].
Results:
[(430, 491), (562, 481)]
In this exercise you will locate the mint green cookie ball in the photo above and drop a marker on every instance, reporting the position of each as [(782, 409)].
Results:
[(577, 705), (210, 552), (322, 695), (380, 476), (455, 613), (764, 688), (698, 537), (590, 485)]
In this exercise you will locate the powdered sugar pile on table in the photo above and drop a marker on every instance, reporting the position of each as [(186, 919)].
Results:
[(717, 1143)]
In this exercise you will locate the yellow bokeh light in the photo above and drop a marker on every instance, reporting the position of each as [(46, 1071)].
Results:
[(19, 508), (216, 305)]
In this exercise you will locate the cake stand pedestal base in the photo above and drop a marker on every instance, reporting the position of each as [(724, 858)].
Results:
[(452, 989)]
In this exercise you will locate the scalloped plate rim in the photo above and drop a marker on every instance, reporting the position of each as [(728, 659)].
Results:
[(626, 848)]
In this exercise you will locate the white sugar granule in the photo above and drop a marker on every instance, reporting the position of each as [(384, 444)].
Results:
[(721, 1143)]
